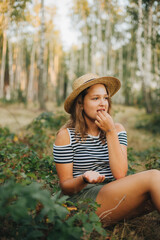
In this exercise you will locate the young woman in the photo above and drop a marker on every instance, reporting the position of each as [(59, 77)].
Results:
[(90, 153)]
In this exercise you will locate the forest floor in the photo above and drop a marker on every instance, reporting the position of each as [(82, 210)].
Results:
[(17, 116)]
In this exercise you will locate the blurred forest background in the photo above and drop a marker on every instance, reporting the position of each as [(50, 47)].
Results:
[(116, 38), (39, 59)]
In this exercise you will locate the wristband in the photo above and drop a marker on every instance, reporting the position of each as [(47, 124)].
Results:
[(110, 130), (84, 180)]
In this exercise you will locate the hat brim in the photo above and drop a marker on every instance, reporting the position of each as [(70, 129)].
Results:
[(113, 85)]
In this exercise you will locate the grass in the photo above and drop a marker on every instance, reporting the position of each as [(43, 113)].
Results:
[(143, 153), (139, 139), (16, 117)]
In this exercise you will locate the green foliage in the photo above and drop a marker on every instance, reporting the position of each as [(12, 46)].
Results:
[(20, 97), (47, 120), (30, 204), (151, 157), (18, 10), (150, 123), (30, 212), (41, 130), (21, 161), (131, 161), (17, 97)]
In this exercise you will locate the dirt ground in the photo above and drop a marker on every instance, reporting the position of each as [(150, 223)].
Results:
[(17, 116), (137, 139)]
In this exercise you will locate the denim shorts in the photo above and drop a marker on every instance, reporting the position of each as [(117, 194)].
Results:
[(89, 192)]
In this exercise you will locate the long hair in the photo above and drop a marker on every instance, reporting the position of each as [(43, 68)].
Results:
[(77, 119)]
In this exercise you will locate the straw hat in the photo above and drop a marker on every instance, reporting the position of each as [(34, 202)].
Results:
[(113, 85)]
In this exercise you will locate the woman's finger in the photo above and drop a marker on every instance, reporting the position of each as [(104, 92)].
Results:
[(97, 123), (101, 115)]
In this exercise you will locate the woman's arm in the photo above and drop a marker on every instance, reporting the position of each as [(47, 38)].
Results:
[(117, 152), (68, 184)]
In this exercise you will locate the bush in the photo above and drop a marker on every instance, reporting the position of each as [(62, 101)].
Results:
[(47, 120), (151, 157), (28, 179), (150, 123), (131, 161), (42, 130), (30, 212), (20, 161)]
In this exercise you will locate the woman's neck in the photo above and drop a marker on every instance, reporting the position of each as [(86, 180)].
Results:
[(92, 129)]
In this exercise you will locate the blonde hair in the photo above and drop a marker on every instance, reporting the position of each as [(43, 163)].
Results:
[(77, 119)]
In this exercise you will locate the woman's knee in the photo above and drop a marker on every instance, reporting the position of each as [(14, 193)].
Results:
[(154, 175)]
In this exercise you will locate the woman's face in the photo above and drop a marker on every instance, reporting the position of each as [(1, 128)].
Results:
[(95, 100)]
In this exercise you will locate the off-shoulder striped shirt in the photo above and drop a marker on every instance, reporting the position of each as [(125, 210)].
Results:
[(87, 155)]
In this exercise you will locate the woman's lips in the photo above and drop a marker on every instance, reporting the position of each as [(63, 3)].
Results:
[(100, 110)]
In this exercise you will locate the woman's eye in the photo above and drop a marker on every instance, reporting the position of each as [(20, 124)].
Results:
[(95, 98)]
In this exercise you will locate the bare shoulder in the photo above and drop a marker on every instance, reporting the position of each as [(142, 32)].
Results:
[(62, 137), (119, 127)]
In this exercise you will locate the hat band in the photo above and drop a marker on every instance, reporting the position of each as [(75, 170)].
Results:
[(88, 80)]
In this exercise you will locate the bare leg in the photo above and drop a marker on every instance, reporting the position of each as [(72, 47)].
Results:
[(128, 197)]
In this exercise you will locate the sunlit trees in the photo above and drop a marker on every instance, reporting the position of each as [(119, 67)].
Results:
[(114, 39), (145, 17), (120, 40), (29, 43), (12, 12), (102, 38), (144, 64)]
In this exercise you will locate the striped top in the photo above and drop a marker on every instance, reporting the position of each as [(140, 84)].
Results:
[(87, 155)]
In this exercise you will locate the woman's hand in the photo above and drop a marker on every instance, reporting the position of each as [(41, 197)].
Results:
[(93, 177), (104, 121)]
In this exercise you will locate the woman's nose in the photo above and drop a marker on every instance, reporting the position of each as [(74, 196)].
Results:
[(102, 101)]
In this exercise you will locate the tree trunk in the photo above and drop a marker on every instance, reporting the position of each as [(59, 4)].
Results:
[(99, 40), (139, 34), (3, 64), (93, 45), (23, 72), (112, 62), (85, 37), (10, 59), (52, 73), (11, 73), (120, 64), (155, 57), (127, 80), (60, 85), (81, 59), (41, 85), (140, 58), (148, 56), (30, 90), (107, 33), (18, 66)]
